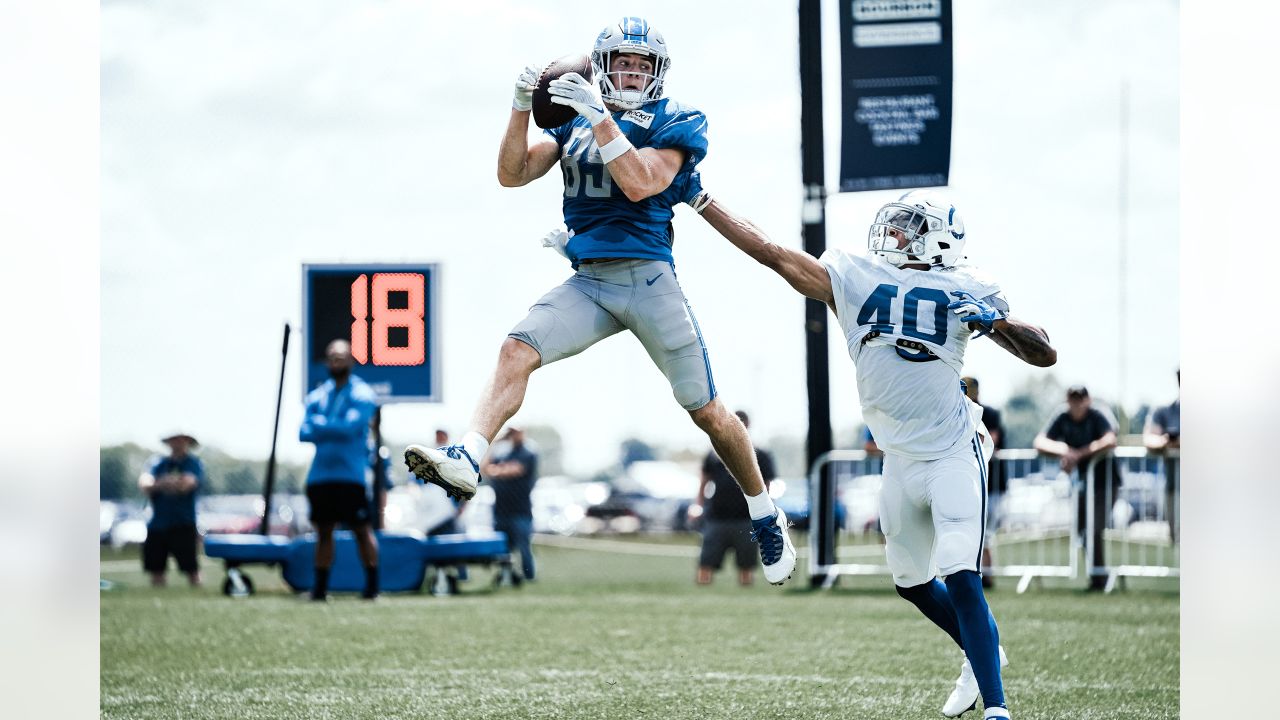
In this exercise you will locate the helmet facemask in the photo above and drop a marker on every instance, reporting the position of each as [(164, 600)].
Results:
[(934, 232), (631, 35), (909, 223)]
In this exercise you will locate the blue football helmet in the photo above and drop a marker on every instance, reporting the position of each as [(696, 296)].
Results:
[(630, 35)]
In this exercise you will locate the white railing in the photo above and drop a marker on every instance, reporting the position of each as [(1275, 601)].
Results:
[(1038, 525)]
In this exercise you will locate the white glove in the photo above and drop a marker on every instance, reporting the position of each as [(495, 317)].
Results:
[(525, 85), (557, 239), (572, 90)]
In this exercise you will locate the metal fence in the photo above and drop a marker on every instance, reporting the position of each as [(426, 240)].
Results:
[(1125, 520), (1134, 527)]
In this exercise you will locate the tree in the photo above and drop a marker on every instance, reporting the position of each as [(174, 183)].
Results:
[(1029, 409), (550, 448)]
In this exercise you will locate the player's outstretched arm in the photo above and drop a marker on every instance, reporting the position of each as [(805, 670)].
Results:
[(800, 269), (1025, 341)]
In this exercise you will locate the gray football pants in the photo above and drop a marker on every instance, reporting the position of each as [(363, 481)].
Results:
[(642, 296)]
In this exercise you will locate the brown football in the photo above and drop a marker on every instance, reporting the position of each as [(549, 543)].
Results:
[(547, 114)]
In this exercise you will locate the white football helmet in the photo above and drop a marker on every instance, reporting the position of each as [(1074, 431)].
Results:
[(931, 224), (630, 35)]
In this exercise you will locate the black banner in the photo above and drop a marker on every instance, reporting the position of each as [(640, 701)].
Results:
[(895, 66)]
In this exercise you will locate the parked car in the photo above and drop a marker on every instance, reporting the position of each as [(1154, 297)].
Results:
[(242, 514), (650, 495), (792, 495), (560, 503), (130, 525)]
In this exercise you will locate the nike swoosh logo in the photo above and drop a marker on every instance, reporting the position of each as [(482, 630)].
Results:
[(655, 279)]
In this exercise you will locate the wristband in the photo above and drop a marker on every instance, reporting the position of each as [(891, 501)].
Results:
[(700, 201), (615, 149)]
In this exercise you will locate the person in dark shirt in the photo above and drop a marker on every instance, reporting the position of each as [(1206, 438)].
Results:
[(513, 473), (996, 481), (1075, 436), (1163, 433), (171, 483), (726, 522)]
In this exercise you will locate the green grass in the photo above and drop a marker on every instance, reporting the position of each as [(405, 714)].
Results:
[(605, 635)]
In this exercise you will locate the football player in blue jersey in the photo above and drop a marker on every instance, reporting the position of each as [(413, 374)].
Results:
[(627, 159), (906, 308)]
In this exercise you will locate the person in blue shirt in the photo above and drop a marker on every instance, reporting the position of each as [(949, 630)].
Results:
[(170, 483), (626, 159), (513, 474), (337, 421)]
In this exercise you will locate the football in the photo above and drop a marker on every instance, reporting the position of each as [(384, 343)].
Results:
[(547, 114)]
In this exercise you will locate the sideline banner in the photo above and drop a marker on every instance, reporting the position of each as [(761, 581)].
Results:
[(895, 64)]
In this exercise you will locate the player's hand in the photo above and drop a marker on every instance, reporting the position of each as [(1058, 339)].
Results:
[(573, 90), (525, 85), (557, 239), (973, 311)]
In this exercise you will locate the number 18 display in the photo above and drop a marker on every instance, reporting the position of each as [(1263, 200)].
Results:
[(387, 312)]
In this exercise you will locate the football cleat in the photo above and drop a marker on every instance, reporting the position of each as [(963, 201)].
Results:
[(450, 467), (777, 554), (965, 695)]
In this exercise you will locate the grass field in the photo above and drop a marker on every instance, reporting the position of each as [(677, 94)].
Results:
[(604, 634)]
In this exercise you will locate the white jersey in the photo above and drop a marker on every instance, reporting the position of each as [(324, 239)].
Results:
[(908, 349)]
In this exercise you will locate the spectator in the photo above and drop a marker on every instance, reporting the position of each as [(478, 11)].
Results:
[(1163, 433), (726, 521), (996, 482), (513, 471), (1076, 435), (171, 483), (337, 420)]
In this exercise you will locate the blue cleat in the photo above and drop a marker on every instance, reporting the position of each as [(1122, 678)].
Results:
[(777, 554), (450, 467)]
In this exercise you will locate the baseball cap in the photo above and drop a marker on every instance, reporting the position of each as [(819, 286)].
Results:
[(1077, 391)]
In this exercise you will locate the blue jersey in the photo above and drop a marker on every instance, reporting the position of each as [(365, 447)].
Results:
[(337, 421), (605, 223), (168, 510)]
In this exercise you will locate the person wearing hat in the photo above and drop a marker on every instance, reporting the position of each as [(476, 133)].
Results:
[(170, 483), (513, 470), (1075, 435)]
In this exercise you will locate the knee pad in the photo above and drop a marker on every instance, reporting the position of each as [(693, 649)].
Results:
[(907, 570), (691, 394), (958, 549)]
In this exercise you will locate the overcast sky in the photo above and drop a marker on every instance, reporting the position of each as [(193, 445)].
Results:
[(242, 139)]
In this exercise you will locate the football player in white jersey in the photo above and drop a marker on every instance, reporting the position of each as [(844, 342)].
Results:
[(907, 308)]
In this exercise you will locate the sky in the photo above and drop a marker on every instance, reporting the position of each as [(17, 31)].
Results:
[(240, 140)]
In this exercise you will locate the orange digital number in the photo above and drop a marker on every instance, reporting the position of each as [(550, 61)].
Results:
[(411, 318), (360, 326)]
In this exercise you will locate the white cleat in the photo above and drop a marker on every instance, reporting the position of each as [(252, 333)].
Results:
[(965, 695), (777, 554), (450, 467)]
